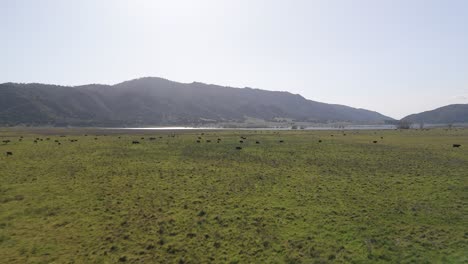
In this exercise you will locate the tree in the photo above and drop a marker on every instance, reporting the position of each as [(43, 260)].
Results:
[(403, 124)]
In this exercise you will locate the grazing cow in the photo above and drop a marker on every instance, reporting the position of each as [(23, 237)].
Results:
[(9, 153), (257, 142), (135, 142), (56, 141), (381, 137), (35, 141), (320, 141), (456, 145), (95, 138), (281, 141), (375, 141), (6, 141), (208, 141), (241, 141), (198, 141), (238, 147), (152, 138), (142, 138)]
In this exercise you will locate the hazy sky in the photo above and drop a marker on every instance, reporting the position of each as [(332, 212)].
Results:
[(396, 56)]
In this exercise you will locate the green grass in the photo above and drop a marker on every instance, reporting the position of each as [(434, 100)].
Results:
[(172, 200)]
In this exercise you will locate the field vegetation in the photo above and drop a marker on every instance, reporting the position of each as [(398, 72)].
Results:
[(98, 196)]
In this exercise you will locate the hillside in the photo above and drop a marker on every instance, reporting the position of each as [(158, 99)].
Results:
[(456, 113), (157, 101)]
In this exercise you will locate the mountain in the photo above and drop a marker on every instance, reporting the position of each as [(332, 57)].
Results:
[(455, 113), (157, 101)]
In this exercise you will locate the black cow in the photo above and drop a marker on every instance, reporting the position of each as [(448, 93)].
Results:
[(257, 142), (456, 145), (320, 141), (9, 153), (208, 141), (135, 142), (281, 141), (238, 147), (198, 141), (375, 141), (241, 141)]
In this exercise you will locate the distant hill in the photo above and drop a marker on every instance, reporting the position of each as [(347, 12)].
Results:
[(456, 113), (157, 101)]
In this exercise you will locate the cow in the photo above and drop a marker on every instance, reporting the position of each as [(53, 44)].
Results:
[(320, 141), (375, 141), (238, 147), (281, 141), (9, 153), (456, 145), (208, 141), (241, 141), (135, 142), (198, 141), (257, 142)]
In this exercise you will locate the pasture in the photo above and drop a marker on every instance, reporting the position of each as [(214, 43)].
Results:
[(96, 196)]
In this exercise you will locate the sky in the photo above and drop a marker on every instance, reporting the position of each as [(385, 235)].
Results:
[(396, 57)]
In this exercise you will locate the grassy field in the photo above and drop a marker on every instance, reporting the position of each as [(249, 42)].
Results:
[(102, 199)]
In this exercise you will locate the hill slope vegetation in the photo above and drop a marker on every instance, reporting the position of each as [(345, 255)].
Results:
[(456, 113), (156, 101)]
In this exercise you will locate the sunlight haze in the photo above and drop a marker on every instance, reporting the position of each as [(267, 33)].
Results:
[(394, 57)]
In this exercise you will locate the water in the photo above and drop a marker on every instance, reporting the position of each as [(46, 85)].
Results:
[(350, 127)]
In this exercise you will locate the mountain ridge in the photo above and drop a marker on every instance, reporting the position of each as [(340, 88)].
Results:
[(454, 113), (158, 101)]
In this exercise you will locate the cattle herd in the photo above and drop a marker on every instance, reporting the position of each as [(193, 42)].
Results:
[(134, 142)]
